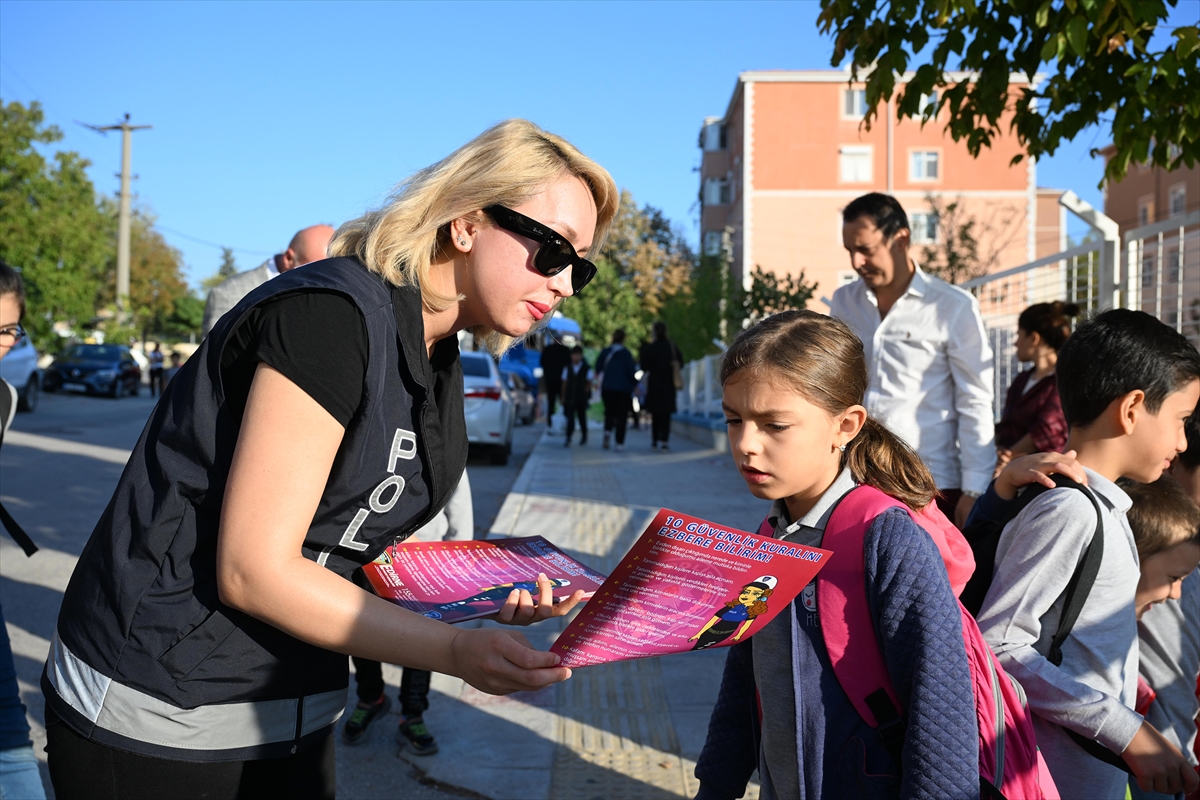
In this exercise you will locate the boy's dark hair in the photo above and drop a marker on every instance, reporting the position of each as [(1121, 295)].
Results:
[(10, 283), (1117, 352), (883, 209), (660, 331), (576, 349), (619, 336), (1162, 516), (1051, 321)]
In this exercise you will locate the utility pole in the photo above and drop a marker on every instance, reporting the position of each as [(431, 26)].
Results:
[(126, 130)]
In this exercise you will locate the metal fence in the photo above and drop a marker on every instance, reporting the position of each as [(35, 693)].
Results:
[(1158, 272), (1155, 268)]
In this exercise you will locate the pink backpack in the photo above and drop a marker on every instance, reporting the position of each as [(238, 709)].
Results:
[(1010, 765)]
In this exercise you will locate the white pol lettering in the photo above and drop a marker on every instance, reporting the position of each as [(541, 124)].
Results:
[(352, 529), (377, 504), (399, 448)]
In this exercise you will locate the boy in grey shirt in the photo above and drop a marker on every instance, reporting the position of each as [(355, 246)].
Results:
[(1127, 384)]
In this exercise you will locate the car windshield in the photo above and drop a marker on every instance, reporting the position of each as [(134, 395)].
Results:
[(476, 366), (98, 352)]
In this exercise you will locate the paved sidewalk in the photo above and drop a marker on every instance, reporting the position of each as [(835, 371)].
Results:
[(625, 730)]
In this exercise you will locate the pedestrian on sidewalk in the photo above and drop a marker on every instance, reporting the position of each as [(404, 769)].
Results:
[(555, 357), (576, 393), (616, 387), (19, 775), (201, 645), (155, 357), (456, 522), (663, 363)]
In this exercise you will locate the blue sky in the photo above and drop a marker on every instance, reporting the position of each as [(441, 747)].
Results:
[(272, 116)]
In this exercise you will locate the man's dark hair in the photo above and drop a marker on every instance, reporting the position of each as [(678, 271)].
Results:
[(660, 331), (1118, 352), (10, 283), (882, 209), (619, 336), (576, 349)]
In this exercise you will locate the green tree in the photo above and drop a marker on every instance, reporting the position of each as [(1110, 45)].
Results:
[(770, 293), (646, 250), (228, 269), (1102, 70), (186, 319), (967, 247), (609, 302), (51, 225), (156, 279)]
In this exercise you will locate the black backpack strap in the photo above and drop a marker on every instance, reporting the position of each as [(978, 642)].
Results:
[(1078, 589), (1080, 585), (16, 532)]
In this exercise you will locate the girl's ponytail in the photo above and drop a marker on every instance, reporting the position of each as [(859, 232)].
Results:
[(877, 457), (822, 359)]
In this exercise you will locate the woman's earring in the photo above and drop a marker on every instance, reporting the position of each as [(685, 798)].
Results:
[(462, 242), (842, 448)]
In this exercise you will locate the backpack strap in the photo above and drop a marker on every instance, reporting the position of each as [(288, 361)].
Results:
[(843, 608)]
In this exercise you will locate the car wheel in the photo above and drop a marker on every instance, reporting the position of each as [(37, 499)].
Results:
[(135, 389), (500, 454), (118, 390), (30, 395)]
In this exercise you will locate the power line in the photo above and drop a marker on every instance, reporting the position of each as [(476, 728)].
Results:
[(197, 240)]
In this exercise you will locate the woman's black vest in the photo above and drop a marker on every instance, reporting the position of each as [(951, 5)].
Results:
[(146, 658)]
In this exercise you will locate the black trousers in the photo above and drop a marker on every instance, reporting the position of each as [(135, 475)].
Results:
[(660, 426), (553, 393), (84, 770), (616, 412), (156, 380), (572, 412), (414, 686)]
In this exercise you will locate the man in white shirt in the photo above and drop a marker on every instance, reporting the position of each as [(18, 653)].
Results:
[(928, 358), (306, 246)]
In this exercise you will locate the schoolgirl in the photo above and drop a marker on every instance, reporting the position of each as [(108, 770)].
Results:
[(800, 436), (201, 646)]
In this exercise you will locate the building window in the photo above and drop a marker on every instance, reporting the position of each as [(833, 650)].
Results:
[(928, 103), (923, 166), (1147, 270), (716, 192), (924, 227), (1178, 200), (712, 243), (854, 103), (713, 137), (854, 163), (1173, 265), (1145, 211)]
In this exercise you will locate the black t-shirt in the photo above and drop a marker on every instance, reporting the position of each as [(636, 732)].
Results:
[(317, 339)]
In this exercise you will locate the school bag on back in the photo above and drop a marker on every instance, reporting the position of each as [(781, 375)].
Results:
[(1010, 765)]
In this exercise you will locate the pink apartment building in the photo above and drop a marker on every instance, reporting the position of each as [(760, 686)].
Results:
[(790, 153)]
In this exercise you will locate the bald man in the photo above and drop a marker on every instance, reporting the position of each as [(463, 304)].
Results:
[(306, 246)]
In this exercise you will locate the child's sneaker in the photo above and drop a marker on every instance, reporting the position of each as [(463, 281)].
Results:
[(414, 733), (355, 729)]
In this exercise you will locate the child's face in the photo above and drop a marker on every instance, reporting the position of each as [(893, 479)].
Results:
[(10, 315), (1163, 572), (782, 444), (576, 358), (1188, 478), (1158, 438)]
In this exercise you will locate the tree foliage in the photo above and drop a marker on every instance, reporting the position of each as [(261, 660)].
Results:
[(156, 281), (51, 226), (770, 293), (1103, 70), (228, 268)]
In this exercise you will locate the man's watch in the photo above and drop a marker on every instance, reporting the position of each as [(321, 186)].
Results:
[(971, 494)]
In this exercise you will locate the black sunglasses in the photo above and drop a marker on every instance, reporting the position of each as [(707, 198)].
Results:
[(555, 254)]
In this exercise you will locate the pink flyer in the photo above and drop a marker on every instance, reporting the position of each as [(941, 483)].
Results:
[(458, 581), (687, 584)]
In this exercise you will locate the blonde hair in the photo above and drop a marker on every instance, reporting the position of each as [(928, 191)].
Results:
[(821, 359), (507, 165)]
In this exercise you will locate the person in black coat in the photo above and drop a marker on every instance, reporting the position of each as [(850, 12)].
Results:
[(576, 394), (658, 360), (619, 379), (555, 358)]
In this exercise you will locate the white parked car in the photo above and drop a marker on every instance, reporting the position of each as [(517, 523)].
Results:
[(488, 407), (20, 369)]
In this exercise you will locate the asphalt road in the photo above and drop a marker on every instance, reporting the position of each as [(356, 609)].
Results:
[(58, 468)]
